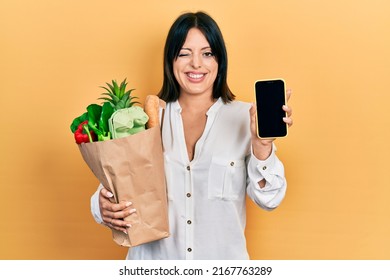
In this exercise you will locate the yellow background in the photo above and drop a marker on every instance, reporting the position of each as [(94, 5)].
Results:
[(335, 55)]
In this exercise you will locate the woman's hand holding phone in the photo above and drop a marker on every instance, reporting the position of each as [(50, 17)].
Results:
[(262, 148)]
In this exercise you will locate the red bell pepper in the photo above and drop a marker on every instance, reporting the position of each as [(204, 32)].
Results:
[(83, 134)]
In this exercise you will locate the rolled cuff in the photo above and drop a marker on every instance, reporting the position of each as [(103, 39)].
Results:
[(265, 169), (272, 170)]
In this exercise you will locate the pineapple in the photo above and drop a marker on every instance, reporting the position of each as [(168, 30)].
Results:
[(117, 96)]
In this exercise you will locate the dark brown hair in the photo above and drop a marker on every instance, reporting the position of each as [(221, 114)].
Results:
[(177, 35)]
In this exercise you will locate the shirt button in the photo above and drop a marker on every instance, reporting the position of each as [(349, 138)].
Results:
[(189, 249), (232, 163), (264, 167), (188, 168), (189, 222), (188, 195)]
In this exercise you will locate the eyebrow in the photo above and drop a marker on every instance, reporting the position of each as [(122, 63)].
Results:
[(189, 49)]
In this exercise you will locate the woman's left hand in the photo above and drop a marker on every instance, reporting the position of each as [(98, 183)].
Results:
[(262, 147)]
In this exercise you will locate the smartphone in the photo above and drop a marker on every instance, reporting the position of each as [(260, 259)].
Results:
[(270, 96)]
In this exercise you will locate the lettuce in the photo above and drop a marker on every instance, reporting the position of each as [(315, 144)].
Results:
[(127, 121)]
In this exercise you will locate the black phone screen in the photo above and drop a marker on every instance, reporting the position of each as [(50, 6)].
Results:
[(270, 97)]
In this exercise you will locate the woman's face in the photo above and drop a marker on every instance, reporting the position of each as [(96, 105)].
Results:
[(196, 67)]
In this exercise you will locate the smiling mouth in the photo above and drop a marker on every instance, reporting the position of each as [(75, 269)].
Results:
[(195, 75)]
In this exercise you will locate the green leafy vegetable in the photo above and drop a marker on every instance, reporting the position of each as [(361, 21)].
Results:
[(97, 116), (77, 121)]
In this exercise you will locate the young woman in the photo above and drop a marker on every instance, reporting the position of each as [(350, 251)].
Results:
[(213, 158)]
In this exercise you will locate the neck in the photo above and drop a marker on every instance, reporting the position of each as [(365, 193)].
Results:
[(196, 102)]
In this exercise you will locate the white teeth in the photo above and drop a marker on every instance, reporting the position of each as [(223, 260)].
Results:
[(195, 76)]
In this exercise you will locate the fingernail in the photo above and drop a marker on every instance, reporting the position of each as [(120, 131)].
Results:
[(132, 211), (128, 225), (129, 203), (109, 194), (125, 232)]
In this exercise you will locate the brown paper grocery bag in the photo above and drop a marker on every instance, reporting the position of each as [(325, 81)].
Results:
[(132, 168)]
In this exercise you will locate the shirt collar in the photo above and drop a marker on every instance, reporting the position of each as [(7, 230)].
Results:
[(215, 107), (176, 106)]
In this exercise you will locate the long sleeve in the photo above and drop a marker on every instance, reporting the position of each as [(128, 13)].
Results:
[(272, 170), (95, 209)]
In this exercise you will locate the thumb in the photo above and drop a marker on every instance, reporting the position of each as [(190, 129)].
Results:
[(106, 193)]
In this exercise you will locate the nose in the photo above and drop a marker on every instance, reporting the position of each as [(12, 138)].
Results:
[(196, 61)]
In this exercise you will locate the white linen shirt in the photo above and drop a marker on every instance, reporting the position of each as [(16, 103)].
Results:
[(206, 196)]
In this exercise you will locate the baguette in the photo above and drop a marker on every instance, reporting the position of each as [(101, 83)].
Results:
[(151, 108)]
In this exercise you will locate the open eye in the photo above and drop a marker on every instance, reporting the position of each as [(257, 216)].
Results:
[(208, 54)]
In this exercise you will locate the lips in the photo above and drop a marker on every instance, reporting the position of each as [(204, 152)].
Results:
[(195, 77)]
